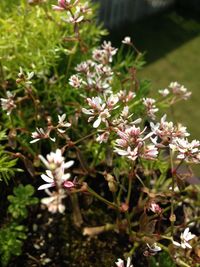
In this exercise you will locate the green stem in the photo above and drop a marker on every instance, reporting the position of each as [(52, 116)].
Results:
[(95, 194), (85, 137), (129, 191), (172, 216)]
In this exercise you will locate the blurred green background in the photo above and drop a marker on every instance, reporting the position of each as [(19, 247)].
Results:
[(171, 42)]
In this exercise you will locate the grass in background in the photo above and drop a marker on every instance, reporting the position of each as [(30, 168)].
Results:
[(171, 42), (177, 41)]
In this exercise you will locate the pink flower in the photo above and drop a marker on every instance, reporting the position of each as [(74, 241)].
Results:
[(154, 207), (62, 5), (150, 107), (179, 90), (150, 152), (188, 151), (100, 109), (167, 130), (75, 81)]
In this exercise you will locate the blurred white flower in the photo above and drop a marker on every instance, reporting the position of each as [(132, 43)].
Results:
[(75, 81), (62, 5), (127, 40), (154, 247), (185, 237), (8, 103), (164, 92), (188, 151), (54, 201), (62, 124), (150, 107), (40, 134), (55, 175), (121, 263), (179, 90)]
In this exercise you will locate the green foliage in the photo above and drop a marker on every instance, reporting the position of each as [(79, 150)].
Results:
[(28, 39), (23, 197), (7, 164), (13, 233), (11, 241), (163, 260), (33, 37)]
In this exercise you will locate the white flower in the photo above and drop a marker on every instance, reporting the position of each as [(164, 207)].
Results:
[(125, 96), (164, 92), (189, 151), (54, 201), (103, 138), (55, 175), (127, 40), (62, 5), (150, 107), (100, 110), (154, 207), (179, 90), (167, 130), (40, 134), (150, 152), (62, 123), (154, 247), (105, 54), (49, 179), (120, 263), (75, 81), (77, 17), (8, 103), (185, 237)]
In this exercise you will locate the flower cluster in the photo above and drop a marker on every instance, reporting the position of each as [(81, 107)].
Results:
[(176, 90), (166, 131), (55, 173), (101, 110), (151, 109), (74, 16), (175, 137), (41, 134), (54, 201), (132, 144), (95, 75), (188, 151), (61, 128), (8, 104)]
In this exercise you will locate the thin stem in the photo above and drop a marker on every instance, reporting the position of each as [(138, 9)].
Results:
[(85, 137), (95, 194), (172, 216), (129, 190)]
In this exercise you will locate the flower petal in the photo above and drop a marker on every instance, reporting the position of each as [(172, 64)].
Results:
[(68, 184), (97, 123), (46, 178), (45, 186), (68, 164)]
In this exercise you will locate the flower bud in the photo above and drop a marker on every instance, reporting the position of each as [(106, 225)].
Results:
[(112, 184)]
